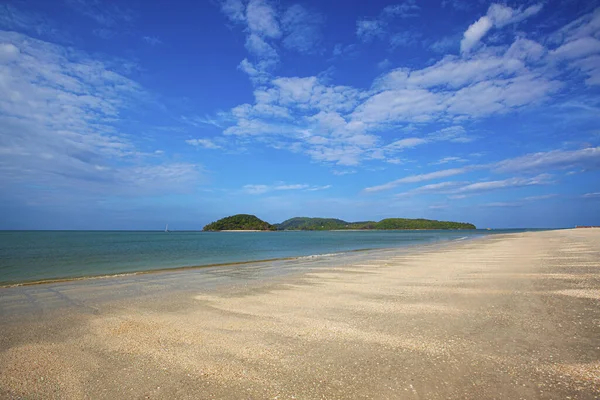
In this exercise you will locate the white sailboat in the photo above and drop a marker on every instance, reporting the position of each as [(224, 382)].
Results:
[(167, 228)]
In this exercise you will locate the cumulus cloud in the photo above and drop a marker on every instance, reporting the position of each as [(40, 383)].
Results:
[(262, 19), (345, 126)]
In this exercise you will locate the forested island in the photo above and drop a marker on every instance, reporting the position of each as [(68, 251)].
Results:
[(245, 222), (240, 222)]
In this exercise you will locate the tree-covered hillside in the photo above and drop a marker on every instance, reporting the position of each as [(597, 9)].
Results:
[(325, 224), (404, 223), (311, 224), (239, 222)]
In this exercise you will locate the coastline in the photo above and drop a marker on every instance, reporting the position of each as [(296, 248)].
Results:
[(143, 270), (508, 316)]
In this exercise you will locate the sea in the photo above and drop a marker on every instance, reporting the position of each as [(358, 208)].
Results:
[(37, 256)]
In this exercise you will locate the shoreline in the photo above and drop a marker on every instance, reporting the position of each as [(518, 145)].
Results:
[(7, 285)]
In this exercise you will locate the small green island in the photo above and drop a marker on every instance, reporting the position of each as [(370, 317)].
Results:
[(239, 222), (247, 222)]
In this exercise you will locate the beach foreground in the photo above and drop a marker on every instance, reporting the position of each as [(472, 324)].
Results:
[(507, 316)]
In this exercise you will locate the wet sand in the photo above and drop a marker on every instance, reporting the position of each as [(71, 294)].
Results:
[(506, 316)]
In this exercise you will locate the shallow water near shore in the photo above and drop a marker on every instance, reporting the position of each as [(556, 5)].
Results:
[(31, 256)]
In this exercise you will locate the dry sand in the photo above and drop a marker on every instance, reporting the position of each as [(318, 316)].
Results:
[(506, 317)]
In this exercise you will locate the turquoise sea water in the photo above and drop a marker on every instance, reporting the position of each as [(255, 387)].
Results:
[(27, 256)]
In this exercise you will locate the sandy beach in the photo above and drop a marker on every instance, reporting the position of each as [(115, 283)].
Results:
[(512, 316)]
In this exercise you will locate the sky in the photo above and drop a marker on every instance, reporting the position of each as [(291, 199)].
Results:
[(135, 114)]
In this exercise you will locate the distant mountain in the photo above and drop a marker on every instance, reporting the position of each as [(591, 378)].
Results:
[(239, 222), (325, 224)]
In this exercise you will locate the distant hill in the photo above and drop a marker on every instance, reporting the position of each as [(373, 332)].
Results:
[(325, 224), (420, 223), (239, 222), (311, 224)]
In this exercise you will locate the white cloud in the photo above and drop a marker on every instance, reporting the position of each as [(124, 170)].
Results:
[(14, 19), (434, 188), (461, 189), (206, 143), (474, 33), (59, 123), (405, 39), (450, 159), (542, 179), (502, 15), (405, 143), (503, 204), (262, 19), (585, 26), (261, 189), (234, 9), (384, 64), (497, 16), (256, 189), (591, 195), (368, 29), (417, 178), (107, 15), (302, 29), (541, 197), (455, 133), (591, 67), (342, 125), (317, 188), (152, 40), (588, 158), (578, 48), (261, 49)]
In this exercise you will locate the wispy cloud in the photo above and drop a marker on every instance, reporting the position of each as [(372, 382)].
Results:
[(368, 29), (205, 143), (478, 187), (152, 40), (595, 195), (541, 197), (418, 178), (450, 159), (261, 189), (462, 189), (588, 158), (302, 29), (15, 19), (59, 124), (105, 14)]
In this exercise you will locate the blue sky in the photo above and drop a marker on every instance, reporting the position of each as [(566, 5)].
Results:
[(134, 114)]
